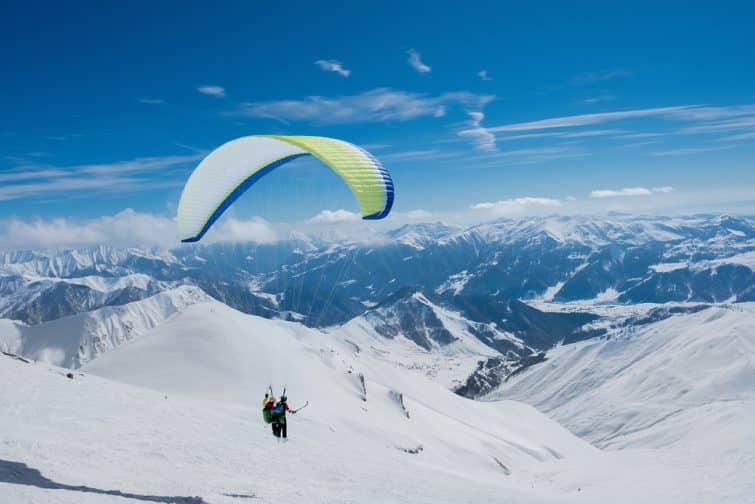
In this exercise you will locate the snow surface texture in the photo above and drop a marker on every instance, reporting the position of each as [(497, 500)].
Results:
[(173, 416), (193, 426), (685, 382)]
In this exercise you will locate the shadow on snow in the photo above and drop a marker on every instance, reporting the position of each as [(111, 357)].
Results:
[(21, 474)]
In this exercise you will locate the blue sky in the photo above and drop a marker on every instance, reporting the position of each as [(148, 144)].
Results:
[(486, 106)]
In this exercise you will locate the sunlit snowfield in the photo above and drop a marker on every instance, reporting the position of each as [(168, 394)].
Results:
[(174, 415)]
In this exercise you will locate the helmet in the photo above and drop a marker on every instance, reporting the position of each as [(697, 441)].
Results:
[(283, 398), (270, 399)]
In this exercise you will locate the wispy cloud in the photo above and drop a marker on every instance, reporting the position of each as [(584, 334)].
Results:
[(633, 136), (333, 66), (688, 151), (716, 126), (483, 75), (74, 187), (704, 119), (711, 113), (534, 155), (735, 138), (587, 119), (561, 134), (212, 90), (416, 62), (377, 105), (35, 181), (151, 101), (418, 154), (16, 175), (629, 191), (599, 99), (483, 138), (591, 77)]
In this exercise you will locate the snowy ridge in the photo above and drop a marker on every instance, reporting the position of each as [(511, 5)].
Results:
[(672, 383), (75, 340)]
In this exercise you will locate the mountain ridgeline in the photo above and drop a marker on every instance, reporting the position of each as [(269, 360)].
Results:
[(496, 277)]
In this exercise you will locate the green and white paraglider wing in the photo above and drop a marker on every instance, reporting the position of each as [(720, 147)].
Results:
[(228, 171)]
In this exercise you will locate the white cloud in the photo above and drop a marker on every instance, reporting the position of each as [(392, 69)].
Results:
[(517, 206), (735, 138), (588, 119), (483, 74), (255, 229), (211, 90), (125, 229), (416, 63), (335, 216), (629, 191), (483, 138), (333, 66), (705, 119), (377, 105), (563, 127), (151, 101)]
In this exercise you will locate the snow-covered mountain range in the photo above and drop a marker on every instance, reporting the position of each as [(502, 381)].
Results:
[(504, 284)]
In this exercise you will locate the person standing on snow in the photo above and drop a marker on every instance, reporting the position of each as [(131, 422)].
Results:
[(279, 418)]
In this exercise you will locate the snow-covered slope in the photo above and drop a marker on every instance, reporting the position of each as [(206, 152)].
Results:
[(391, 436), (686, 381), (216, 354), (191, 431), (416, 334), (74, 340)]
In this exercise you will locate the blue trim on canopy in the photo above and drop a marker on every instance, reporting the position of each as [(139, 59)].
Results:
[(389, 193), (240, 189)]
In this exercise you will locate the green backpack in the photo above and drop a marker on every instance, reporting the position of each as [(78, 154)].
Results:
[(267, 415)]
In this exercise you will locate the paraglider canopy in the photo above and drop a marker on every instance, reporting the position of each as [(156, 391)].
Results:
[(231, 169)]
